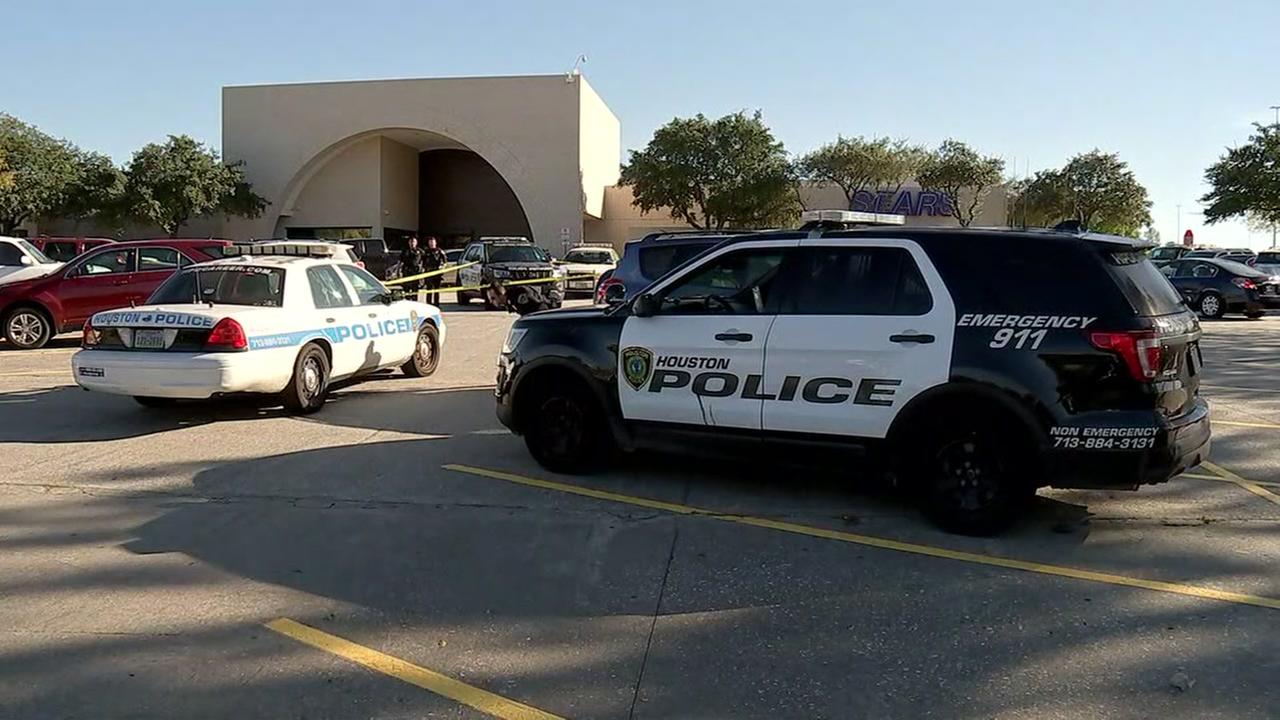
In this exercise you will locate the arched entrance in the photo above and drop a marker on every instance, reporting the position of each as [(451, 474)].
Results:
[(393, 182)]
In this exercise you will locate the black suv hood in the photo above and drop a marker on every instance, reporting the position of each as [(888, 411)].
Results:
[(563, 315)]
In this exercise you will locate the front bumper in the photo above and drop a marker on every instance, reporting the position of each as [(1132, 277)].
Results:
[(1179, 445), (175, 374)]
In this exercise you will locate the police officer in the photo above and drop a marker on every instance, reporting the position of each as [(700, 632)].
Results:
[(411, 263), (433, 259)]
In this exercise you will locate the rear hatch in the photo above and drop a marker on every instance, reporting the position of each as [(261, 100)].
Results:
[(1161, 350)]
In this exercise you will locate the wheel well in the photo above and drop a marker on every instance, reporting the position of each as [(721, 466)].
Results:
[(540, 380), (325, 347), (958, 405)]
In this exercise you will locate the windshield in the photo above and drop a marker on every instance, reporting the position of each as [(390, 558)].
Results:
[(1268, 258), (517, 253), (1165, 253), (591, 257), (223, 285), (34, 252)]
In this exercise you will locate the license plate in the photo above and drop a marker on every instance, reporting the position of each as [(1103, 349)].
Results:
[(148, 339)]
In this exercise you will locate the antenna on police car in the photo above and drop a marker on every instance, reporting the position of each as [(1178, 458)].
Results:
[(576, 70)]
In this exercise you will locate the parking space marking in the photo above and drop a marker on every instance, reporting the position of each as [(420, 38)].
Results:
[(1268, 426), (482, 700), (1205, 593), (1235, 479)]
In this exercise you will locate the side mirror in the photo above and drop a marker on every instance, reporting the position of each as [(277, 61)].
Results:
[(391, 295), (27, 260), (644, 305), (615, 294)]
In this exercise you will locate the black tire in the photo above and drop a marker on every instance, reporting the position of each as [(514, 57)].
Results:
[(426, 353), (1254, 314), (1211, 305), (971, 480), (147, 401), (308, 388), (27, 328), (463, 298), (565, 430)]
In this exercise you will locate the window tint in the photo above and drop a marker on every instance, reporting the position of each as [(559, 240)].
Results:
[(739, 282), (367, 287), (659, 260), (60, 251), (157, 258), (107, 262), (857, 281), (473, 253), (10, 254), (327, 290), (1144, 285)]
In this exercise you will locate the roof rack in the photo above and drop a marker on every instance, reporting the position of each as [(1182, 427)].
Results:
[(294, 248)]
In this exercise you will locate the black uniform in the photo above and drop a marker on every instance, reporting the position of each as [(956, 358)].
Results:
[(432, 259), (411, 263)]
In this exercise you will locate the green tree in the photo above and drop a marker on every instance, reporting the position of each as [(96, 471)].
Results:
[(715, 174), (42, 169), (96, 191), (857, 164), (964, 175), (6, 175), (168, 185), (1245, 181), (1098, 189)]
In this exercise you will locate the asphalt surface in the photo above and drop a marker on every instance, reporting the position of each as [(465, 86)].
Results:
[(142, 553)]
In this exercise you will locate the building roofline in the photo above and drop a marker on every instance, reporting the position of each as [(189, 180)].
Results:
[(298, 83)]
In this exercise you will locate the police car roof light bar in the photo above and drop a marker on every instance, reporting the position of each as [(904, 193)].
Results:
[(850, 217), (296, 248)]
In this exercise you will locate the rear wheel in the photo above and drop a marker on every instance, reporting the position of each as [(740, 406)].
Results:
[(565, 430), (27, 328), (426, 353), (309, 386), (1211, 305)]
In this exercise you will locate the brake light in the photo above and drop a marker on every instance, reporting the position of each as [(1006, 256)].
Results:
[(1244, 283), (227, 335), (602, 293), (1141, 350), (90, 337)]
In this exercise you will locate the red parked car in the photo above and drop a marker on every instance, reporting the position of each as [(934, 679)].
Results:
[(63, 249), (114, 275)]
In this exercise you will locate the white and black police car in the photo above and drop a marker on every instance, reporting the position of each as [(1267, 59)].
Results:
[(286, 318), (973, 365)]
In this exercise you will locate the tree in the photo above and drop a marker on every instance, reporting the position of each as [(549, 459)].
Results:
[(168, 185), (6, 175), (858, 164), (963, 175), (1095, 188), (1151, 235), (1245, 181), (714, 174), (41, 168), (96, 191)]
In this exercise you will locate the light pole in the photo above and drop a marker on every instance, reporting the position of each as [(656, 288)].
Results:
[(1277, 109)]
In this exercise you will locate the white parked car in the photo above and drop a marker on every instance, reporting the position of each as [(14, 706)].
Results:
[(584, 260), (20, 260), (288, 324)]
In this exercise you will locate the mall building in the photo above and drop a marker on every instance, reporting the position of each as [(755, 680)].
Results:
[(457, 158)]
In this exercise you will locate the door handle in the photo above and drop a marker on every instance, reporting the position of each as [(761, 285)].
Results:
[(373, 315), (329, 320), (923, 339), (733, 337)]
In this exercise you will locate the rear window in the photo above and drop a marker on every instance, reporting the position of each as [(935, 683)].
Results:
[(1143, 285), (1269, 258), (223, 285), (659, 260)]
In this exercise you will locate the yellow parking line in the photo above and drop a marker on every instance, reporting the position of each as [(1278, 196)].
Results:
[(1252, 487), (36, 373), (482, 700), (886, 543), (1269, 426)]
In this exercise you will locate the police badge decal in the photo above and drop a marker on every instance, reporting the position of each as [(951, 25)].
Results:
[(637, 366)]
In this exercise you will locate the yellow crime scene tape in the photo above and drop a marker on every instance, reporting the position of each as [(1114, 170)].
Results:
[(432, 273), (534, 281)]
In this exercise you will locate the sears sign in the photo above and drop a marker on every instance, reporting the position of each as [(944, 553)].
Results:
[(906, 202)]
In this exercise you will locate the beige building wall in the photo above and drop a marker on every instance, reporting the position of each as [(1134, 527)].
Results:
[(399, 187), (344, 193), (599, 149)]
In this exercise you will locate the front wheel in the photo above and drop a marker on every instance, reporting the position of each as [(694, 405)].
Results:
[(309, 386), (970, 480), (565, 430), (1211, 305), (27, 328), (426, 353)]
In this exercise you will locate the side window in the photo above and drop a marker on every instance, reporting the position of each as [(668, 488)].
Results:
[(740, 282), (663, 258), (473, 254), (10, 254), (327, 290), (1204, 270), (157, 258), (857, 281), (367, 287), (106, 263)]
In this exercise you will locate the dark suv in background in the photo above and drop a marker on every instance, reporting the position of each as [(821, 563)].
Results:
[(378, 259), (651, 257)]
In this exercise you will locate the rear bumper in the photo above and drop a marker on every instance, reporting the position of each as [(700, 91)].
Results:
[(176, 375), (1178, 445)]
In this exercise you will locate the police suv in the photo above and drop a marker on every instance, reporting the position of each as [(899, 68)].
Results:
[(282, 318), (973, 365)]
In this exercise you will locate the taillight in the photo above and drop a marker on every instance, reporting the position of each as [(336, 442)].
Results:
[(1244, 283), (89, 337), (1141, 350), (227, 335), (602, 293)]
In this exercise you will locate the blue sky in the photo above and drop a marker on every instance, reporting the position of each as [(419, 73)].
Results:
[(1168, 84)]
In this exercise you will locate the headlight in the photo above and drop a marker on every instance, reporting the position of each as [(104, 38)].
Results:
[(500, 273), (514, 336)]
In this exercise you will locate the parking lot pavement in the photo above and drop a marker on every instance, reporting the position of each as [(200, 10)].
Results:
[(398, 555)]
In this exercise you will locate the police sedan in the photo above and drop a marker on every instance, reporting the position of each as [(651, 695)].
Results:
[(285, 319)]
